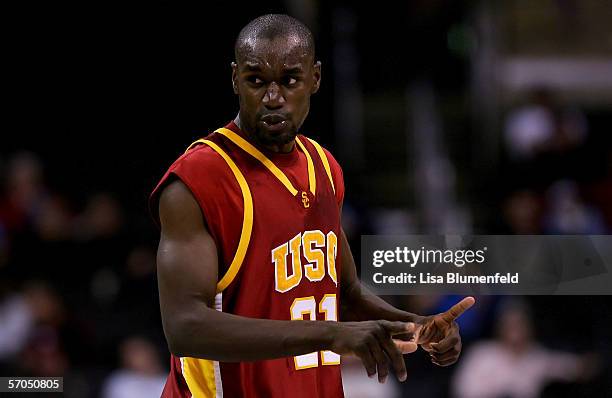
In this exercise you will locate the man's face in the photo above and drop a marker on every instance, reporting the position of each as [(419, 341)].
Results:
[(274, 81)]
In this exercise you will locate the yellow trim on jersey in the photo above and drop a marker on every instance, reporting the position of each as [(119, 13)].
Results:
[(200, 377), (325, 161), (312, 181), (256, 153), (200, 141), (247, 219)]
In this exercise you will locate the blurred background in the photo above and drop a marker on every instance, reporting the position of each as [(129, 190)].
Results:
[(447, 117)]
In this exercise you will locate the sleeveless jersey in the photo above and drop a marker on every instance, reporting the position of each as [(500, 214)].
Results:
[(275, 219)]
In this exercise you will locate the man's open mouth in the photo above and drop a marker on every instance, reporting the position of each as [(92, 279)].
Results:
[(274, 122)]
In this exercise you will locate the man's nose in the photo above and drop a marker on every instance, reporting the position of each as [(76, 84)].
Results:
[(273, 98)]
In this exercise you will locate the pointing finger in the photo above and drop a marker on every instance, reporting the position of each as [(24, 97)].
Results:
[(456, 310)]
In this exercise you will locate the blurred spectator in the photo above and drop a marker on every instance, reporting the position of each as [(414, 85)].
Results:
[(133, 287), (513, 365), (141, 263), (53, 222), (24, 192), (141, 373), (16, 320), (44, 353), (102, 218), (567, 213), (100, 242), (523, 212), (542, 125), (599, 192), (30, 329)]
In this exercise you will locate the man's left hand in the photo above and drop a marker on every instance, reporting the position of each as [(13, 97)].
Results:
[(439, 335)]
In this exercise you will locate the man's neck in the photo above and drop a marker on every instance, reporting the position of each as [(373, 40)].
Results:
[(277, 148)]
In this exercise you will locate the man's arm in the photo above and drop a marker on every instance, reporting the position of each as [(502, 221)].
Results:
[(187, 275), (358, 304)]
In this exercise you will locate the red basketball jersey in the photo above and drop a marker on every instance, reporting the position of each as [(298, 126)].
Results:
[(275, 219)]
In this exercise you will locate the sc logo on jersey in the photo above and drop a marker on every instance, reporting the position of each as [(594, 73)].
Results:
[(305, 200), (316, 247)]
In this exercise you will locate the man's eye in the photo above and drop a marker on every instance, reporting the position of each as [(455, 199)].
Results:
[(290, 81), (255, 80)]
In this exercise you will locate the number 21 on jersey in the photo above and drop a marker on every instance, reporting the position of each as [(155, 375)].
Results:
[(308, 306), (316, 247)]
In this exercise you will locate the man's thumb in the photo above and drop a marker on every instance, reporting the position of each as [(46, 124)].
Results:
[(406, 347), (399, 327)]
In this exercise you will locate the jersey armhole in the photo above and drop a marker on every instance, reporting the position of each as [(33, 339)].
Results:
[(247, 217), (229, 273)]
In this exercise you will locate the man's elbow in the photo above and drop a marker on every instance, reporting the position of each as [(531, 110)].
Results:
[(186, 336), (350, 291), (176, 341), (176, 345)]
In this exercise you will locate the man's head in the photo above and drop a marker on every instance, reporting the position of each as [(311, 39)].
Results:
[(274, 75)]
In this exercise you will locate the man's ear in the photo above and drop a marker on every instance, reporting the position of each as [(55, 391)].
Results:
[(235, 77), (316, 74)]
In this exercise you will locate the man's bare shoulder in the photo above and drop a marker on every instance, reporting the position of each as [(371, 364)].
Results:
[(179, 211), (175, 194)]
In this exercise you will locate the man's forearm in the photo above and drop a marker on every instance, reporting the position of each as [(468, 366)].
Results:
[(231, 338), (357, 303), (361, 305)]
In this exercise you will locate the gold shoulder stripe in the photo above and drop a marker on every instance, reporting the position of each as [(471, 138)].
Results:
[(200, 141), (312, 178), (247, 219), (256, 153), (325, 161)]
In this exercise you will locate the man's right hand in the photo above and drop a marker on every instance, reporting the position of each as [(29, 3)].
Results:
[(372, 342)]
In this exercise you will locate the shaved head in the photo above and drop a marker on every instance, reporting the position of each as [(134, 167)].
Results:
[(274, 75), (270, 27)]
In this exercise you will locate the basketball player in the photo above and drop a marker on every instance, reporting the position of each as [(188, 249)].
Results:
[(252, 259)]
